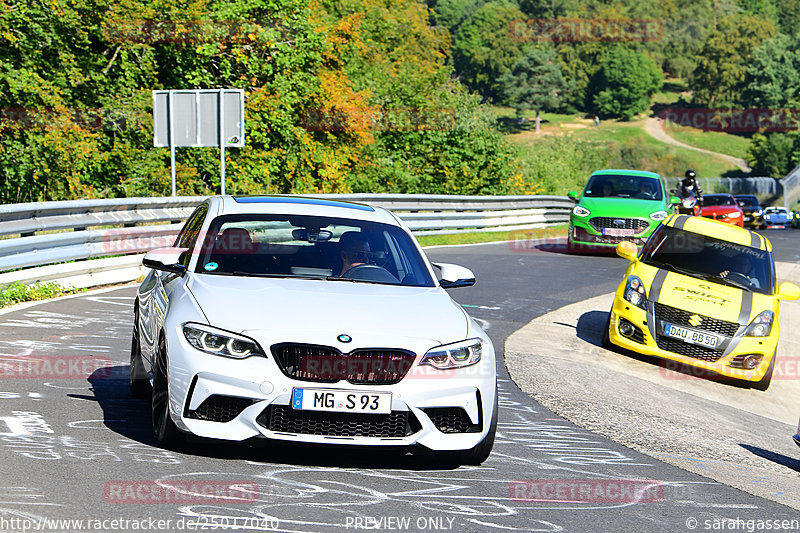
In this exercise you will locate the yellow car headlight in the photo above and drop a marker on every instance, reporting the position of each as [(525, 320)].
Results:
[(761, 326)]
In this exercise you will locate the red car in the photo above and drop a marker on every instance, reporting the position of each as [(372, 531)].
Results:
[(722, 207)]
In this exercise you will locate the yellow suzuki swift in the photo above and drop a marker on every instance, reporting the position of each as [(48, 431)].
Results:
[(702, 293)]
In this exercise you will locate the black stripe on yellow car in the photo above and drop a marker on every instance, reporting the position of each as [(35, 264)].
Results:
[(680, 221), (744, 318), (655, 292), (755, 240)]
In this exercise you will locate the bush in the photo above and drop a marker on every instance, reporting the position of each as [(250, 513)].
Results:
[(18, 292)]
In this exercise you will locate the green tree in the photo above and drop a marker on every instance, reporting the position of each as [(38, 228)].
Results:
[(534, 82), (484, 48), (773, 75), (774, 154), (624, 84), (720, 78)]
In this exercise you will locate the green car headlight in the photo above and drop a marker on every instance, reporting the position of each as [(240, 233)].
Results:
[(658, 215), (580, 211)]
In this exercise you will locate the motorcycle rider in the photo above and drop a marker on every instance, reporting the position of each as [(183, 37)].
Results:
[(689, 186)]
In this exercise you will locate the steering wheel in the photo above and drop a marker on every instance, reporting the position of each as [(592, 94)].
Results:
[(738, 277), (367, 272)]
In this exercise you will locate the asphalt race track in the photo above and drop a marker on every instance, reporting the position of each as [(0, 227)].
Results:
[(80, 448)]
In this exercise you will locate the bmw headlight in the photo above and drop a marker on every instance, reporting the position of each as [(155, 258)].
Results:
[(735, 214), (580, 211), (456, 355), (658, 215), (634, 292), (220, 342), (761, 326)]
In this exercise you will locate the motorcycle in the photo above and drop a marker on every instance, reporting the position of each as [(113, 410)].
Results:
[(689, 204)]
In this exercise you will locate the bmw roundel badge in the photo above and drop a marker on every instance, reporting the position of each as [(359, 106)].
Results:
[(344, 338)]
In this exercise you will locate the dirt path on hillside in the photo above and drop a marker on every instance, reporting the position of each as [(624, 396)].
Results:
[(653, 127)]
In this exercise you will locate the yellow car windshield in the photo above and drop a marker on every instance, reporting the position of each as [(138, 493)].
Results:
[(710, 259)]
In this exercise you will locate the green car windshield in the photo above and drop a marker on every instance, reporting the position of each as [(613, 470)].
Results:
[(710, 259), (623, 186)]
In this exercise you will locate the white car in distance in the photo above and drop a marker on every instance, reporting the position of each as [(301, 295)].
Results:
[(310, 320)]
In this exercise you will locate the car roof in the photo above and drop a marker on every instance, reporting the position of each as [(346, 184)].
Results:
[(719, 230), (718, 194), (623, 172), (298, 205)]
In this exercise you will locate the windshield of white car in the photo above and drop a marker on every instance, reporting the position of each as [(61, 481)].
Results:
[(622, 186), (311, 247), (710, 259)]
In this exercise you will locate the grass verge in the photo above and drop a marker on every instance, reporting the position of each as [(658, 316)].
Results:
[(18, 292), (492, 236), (716, 141)]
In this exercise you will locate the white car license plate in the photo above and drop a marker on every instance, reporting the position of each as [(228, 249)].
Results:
[(619, 232), (342, 401), (690, 336)]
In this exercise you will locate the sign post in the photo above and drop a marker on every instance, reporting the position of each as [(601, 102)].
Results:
[(199, 118)]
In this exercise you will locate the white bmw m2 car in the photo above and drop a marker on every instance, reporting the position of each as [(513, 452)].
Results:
[(310, 320)]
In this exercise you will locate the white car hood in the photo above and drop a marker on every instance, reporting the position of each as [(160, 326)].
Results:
[(307, 310)]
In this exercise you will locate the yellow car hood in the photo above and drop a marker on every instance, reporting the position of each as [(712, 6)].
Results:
[(699, 296)]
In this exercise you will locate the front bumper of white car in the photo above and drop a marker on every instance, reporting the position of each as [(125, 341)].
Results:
[(238, 399)]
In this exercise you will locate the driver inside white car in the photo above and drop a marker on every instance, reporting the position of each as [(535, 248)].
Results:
[(354, 250)]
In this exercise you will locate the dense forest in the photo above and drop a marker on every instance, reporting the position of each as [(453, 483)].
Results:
[(362, 95)]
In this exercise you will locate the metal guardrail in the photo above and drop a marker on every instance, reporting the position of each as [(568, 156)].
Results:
[(36, 236), (791, 188)]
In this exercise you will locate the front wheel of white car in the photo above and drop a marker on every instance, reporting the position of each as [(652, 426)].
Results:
[(480, 452), (164, 429), (137, 379)]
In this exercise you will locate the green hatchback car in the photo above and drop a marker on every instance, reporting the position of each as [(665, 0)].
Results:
[(616, 206)]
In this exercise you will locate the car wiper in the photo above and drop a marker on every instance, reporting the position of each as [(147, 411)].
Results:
[(730, 282), (680, 270), (268, 275), (352, 280)]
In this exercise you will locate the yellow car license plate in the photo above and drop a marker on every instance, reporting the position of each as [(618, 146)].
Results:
[(691, 336)]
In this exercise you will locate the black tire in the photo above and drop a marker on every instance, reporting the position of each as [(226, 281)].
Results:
[(571, 248), (137, 379), (481, 451), (164, 429), (606, 340), (763, 383)]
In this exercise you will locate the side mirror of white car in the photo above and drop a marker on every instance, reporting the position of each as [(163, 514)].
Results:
[(166, 259), (454, 276)]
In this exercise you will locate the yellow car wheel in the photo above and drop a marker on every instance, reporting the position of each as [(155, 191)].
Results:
[(763, 383), (606, 342)]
